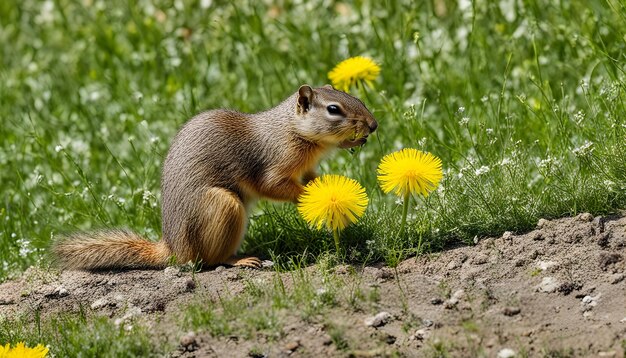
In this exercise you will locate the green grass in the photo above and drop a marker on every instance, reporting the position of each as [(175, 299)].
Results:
[(523, 101), (79, 336)]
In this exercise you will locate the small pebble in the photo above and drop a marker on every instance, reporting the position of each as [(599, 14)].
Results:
[(586, 217), (545, 265), (480, 259), (453, 265), (379, 320), (511, 311), (99, 303), (567, 287), (507, 235), (420, 335), (58, 292), (454, 300), (587, 300), (506, 353), (588, 303), (436, 301), (548, 285), (291, 346), (326, 340), (458, 294), (527, 333), (542, 223), (188, 340)]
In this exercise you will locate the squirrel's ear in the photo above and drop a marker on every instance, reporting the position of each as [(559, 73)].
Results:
[(305, 97), (328, 86)]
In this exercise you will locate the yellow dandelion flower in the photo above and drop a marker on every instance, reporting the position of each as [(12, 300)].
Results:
[(353, 71), (409, 171), (334, 201), (21, 351)]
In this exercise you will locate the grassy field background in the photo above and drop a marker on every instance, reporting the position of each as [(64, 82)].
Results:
[(523, 100)]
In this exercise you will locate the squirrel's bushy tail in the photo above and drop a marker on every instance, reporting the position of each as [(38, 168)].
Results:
[(110, 249)]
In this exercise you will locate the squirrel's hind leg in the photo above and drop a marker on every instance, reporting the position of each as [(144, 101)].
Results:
[(219, 226), (248, 261)]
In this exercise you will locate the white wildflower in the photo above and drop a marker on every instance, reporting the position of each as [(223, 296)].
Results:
[(608, 183), (545, 163), (25, 247), (147, 194), (482, 170), (58, 148), (583, 150), (47, 12), (94, 96), (579, 117), (464, 121), (175, 61)]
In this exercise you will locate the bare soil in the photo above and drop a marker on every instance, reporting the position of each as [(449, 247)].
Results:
[(559, 290)]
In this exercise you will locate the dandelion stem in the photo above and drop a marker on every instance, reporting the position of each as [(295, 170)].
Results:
[(405, 211), (336, 237)]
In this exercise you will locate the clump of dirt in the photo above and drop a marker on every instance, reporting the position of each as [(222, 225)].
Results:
[(559, 289)]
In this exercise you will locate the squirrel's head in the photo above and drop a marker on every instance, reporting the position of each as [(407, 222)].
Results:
[(332, 117)]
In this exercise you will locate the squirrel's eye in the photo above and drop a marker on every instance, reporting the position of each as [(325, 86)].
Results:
[(332, 109)]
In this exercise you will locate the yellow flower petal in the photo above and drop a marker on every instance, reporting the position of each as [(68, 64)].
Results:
[(352, 71), (409, 171), (21, 351), (332, 200)]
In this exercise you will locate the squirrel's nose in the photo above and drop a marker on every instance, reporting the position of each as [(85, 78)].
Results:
[(373, 125)]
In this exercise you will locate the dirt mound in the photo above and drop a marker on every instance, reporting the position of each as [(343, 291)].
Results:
[(559, 289)]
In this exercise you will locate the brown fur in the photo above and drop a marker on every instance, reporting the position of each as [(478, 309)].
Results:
[(110, 249), (218, 164)]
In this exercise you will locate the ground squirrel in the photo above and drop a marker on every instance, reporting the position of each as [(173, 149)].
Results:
[(219, 163)]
